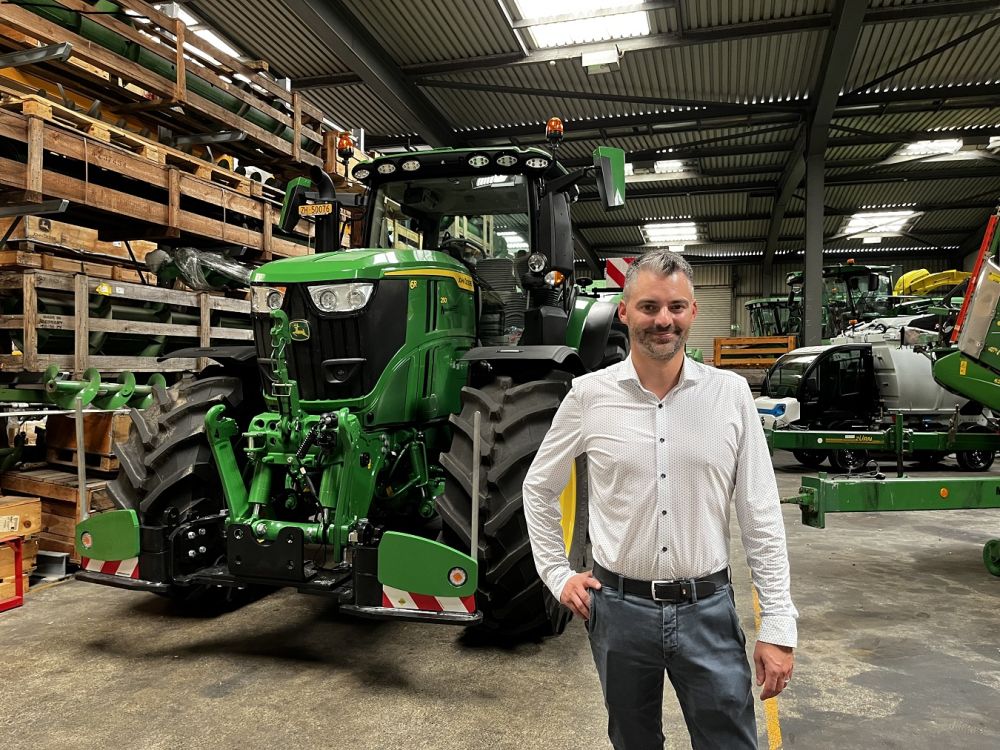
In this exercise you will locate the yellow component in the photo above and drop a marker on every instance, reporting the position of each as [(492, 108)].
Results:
[(463, 280), (963, 367), (903, 283), (923, 282), (413, 283), (943, 492), (567, 506)]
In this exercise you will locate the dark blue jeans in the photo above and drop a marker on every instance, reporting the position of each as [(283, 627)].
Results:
[(700, 646)]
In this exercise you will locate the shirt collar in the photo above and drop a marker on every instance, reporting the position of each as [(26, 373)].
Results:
[(690, 371)]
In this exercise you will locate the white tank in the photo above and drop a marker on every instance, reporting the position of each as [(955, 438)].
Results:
[(905, 382)]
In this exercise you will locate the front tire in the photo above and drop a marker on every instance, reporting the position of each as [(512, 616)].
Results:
[(168, 474), (515, 419)]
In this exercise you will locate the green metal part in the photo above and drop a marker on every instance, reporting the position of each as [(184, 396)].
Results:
[(889, 440), (415, 564), (991, 556), (221, 432), (52, 390), (111, 535), (821, 495)]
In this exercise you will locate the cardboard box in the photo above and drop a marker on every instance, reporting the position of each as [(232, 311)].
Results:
[(20, 516)]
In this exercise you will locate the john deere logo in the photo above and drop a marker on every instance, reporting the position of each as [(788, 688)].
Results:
[(299, 330)]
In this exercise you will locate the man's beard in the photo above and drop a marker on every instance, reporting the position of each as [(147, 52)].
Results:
[(661, 350)]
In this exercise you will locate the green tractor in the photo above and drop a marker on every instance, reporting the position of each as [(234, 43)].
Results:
[(339, 455)]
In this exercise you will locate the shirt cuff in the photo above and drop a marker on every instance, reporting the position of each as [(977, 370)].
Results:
[(780, 630), (561, 579)]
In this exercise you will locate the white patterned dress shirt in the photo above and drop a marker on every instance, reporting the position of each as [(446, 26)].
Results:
[(663, 476)]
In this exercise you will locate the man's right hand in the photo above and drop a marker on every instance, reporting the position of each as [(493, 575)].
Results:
[(575, 595)]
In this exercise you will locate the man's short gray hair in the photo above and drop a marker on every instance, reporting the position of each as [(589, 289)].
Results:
[(662, 262)]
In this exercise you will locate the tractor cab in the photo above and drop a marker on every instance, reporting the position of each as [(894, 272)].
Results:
[(503, 213)]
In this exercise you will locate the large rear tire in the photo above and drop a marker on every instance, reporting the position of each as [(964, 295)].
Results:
[(168, 473), (515, 418)]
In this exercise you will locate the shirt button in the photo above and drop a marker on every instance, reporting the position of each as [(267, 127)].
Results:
[(661, 440), (663, 476), (659, 406), (663, 512), (664, 549)]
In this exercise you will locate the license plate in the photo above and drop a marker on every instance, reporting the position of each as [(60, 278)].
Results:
[(316, 209)]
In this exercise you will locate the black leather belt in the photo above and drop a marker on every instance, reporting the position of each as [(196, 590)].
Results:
[(674, 592)]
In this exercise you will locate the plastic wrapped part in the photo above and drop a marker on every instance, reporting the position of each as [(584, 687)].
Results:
[(202, 270)]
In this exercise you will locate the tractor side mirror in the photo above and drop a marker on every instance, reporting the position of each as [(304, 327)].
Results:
[(583, 282), (609, 164)]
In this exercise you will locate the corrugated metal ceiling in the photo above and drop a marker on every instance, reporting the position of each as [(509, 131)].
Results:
[(773, 62)]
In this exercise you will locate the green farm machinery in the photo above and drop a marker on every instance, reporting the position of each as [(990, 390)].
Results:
[(339, 455), (967, 364)]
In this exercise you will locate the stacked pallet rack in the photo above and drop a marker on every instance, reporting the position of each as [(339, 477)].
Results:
[(121, 131)]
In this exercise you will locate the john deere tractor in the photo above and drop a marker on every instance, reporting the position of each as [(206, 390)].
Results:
[(337, 455)]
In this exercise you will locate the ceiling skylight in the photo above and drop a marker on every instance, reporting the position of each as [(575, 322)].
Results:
[(581, 30), (876, 224), (931, 148), (671, 233)]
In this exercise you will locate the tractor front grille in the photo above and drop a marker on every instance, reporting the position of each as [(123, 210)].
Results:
[(346, 352)]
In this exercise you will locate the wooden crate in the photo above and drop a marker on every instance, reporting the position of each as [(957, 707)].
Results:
[(57, 492), (29, 554), (38, 234), (20, 516), (751, 351), (28, 283), (101, 430)]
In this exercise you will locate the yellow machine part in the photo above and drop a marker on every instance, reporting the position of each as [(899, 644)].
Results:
[(923, 282)]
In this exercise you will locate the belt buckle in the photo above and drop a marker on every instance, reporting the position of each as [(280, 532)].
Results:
[(685, 589)]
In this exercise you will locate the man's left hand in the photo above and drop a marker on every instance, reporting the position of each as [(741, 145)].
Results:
[(774, 668)]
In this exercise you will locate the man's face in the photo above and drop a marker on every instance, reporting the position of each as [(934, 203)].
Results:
[(659, 313)]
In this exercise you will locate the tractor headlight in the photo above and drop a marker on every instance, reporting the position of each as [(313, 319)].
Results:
[(263, 299), (536, 262), (334, 298)]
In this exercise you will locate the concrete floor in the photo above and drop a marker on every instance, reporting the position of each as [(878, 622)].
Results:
[(899, 648)]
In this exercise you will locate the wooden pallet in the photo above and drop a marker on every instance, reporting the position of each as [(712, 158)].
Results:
[(21, 260), (751, 351), (94, 461), (147, 217), (30, 321), (44, 234), (152, 92)]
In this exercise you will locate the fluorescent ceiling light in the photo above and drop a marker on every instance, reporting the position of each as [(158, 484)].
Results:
[(931, 148), (514, 240), (877, 222), (668, 165), (670, 233), (582, 30)]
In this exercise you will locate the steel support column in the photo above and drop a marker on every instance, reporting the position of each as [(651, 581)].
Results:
[(812, 293)]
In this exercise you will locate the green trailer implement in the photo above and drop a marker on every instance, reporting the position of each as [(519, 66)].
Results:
[(970, 368), (340, 455)]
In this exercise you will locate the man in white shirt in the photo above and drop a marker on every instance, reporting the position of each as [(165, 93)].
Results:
[(672, 445)]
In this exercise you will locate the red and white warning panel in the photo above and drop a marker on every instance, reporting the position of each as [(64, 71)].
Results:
[(124, 568), (614, 272), (399, 599)]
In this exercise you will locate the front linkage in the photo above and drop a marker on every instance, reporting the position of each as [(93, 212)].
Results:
[(374, 573)]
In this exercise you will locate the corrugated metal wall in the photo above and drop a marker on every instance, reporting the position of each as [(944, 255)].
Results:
[(714, 291)]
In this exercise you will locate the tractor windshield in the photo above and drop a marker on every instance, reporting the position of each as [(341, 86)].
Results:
[(468, 217)]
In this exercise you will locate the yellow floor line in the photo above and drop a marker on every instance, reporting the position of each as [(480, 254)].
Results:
[(771, 704)]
